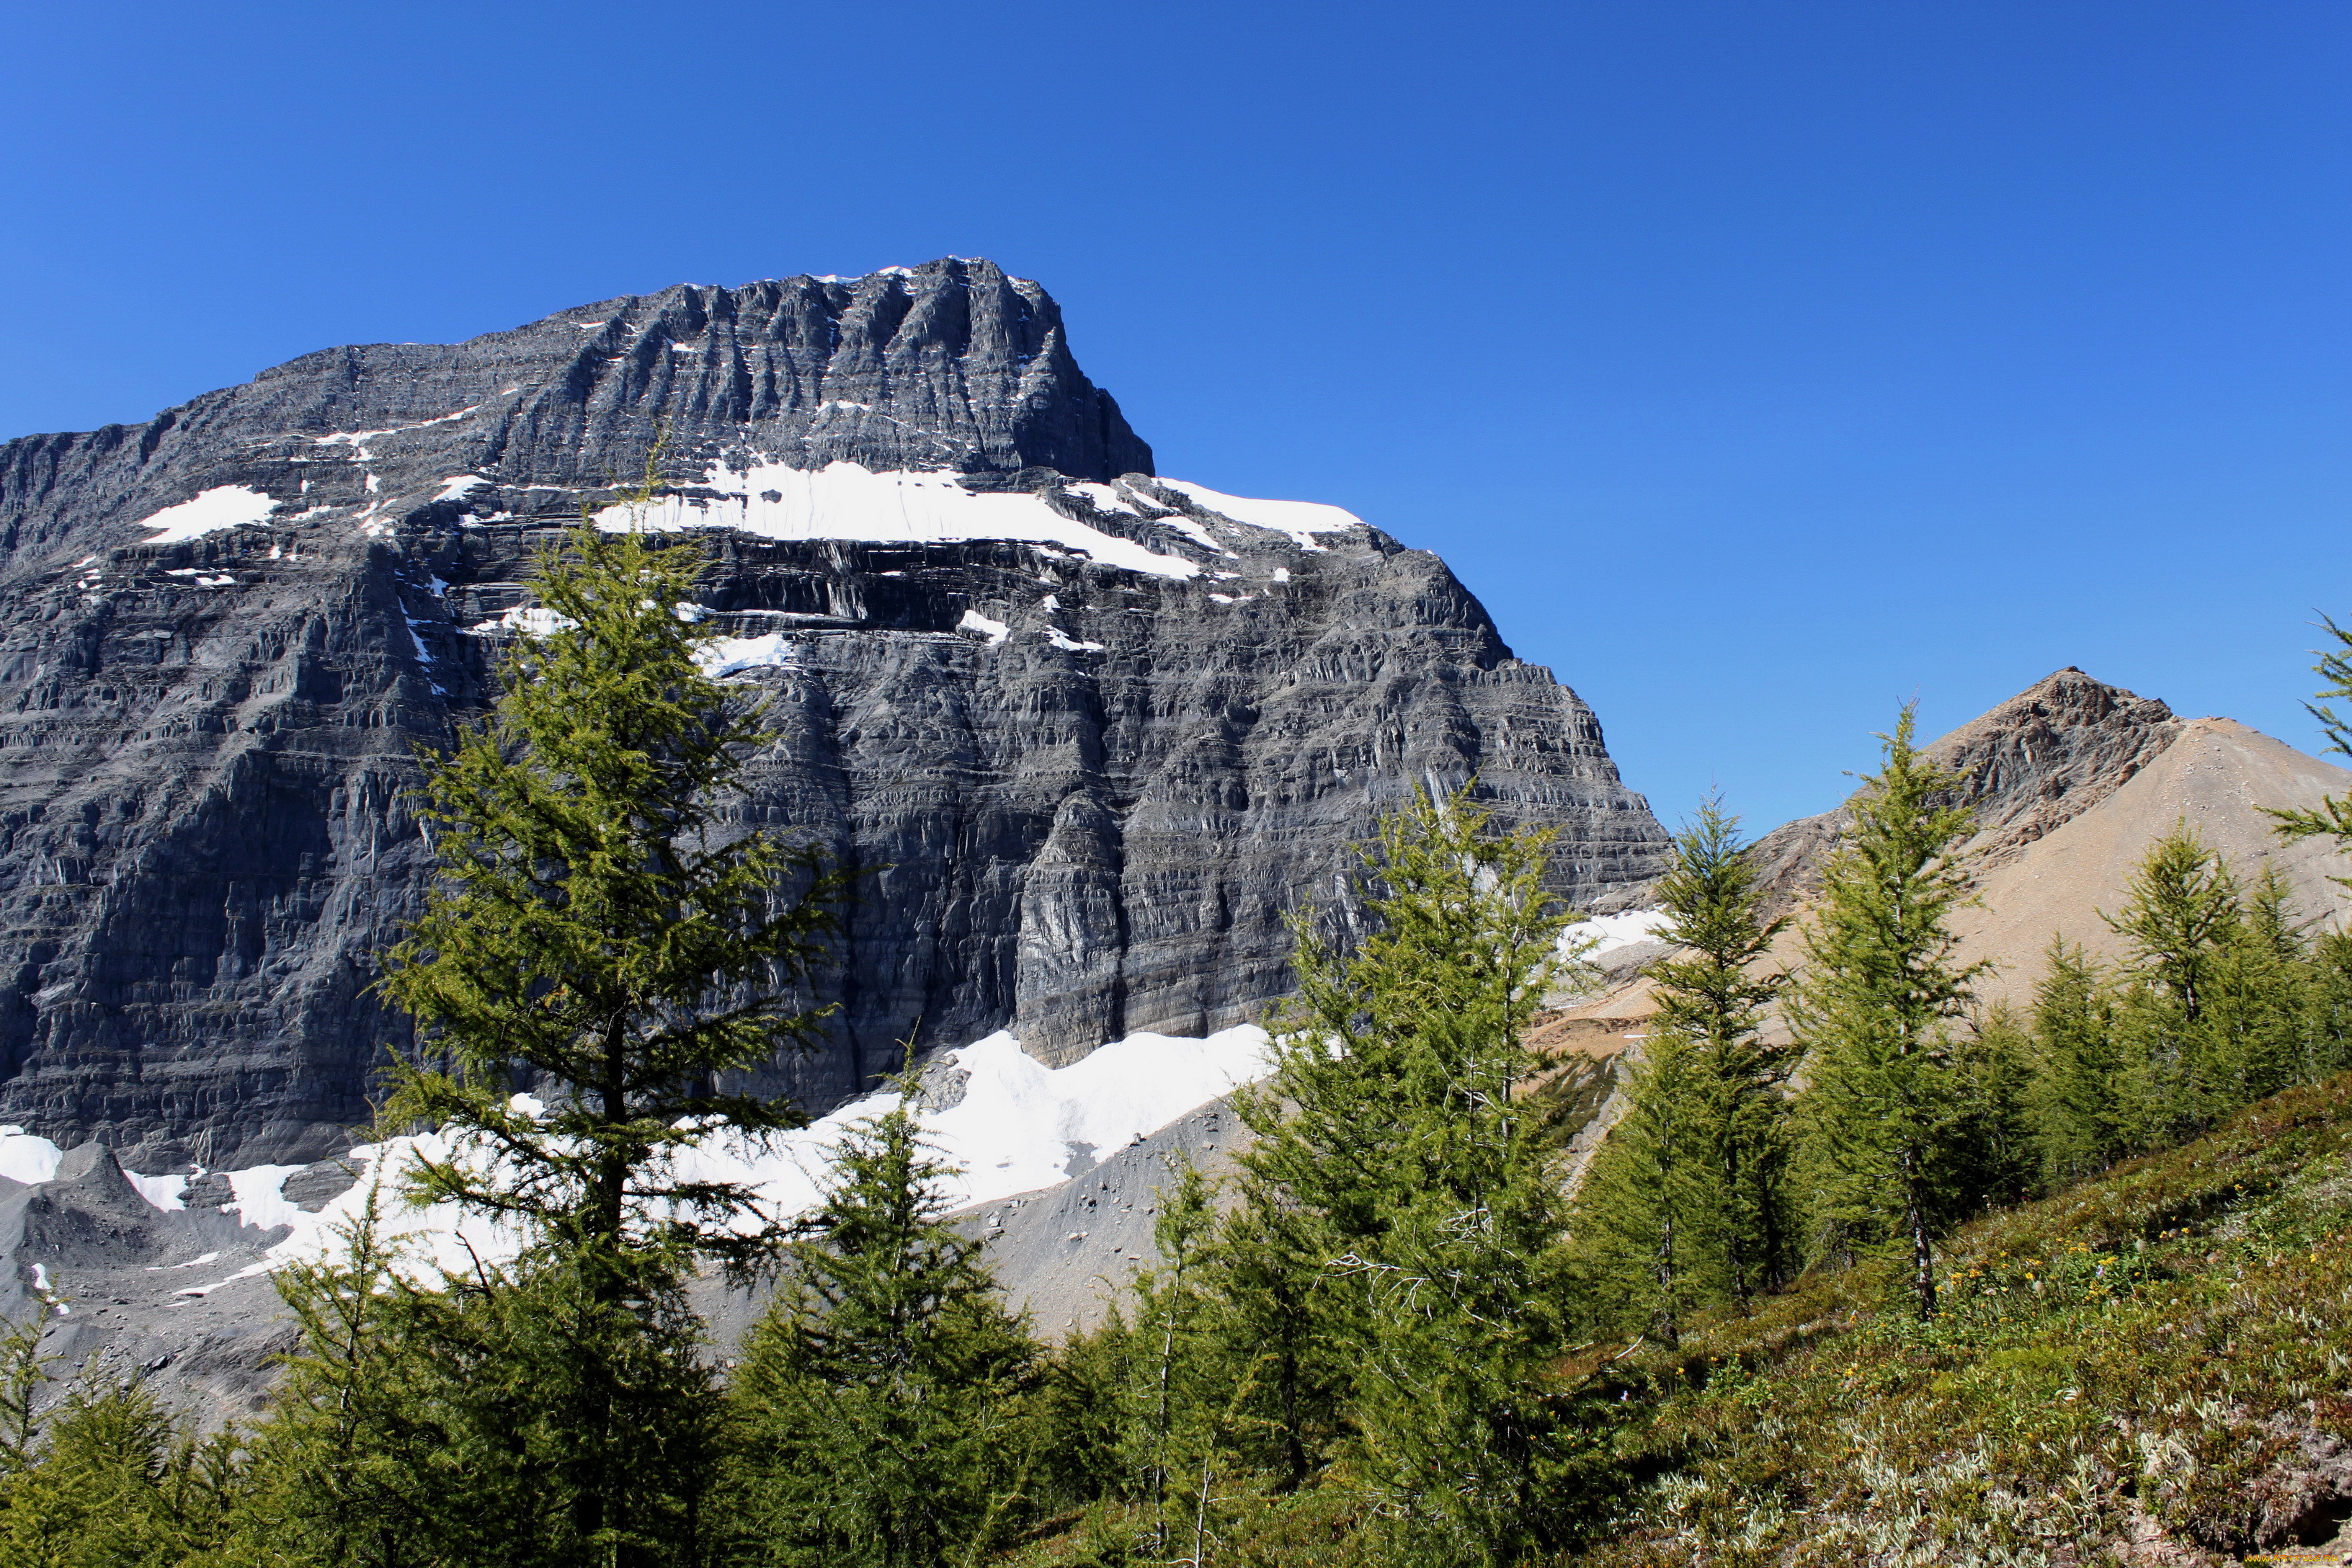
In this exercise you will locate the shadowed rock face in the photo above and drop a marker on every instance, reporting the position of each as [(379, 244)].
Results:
[(1089, 822)]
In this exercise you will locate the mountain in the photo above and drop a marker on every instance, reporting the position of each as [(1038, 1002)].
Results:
[(1090, 733), (2071, 781)]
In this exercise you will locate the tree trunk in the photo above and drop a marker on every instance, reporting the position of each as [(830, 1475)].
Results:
[(1914, 1215)]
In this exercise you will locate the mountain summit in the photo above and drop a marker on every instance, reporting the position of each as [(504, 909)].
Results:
[(1093, 732)]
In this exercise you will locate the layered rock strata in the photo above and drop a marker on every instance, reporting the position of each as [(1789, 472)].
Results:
[(1090, 735)]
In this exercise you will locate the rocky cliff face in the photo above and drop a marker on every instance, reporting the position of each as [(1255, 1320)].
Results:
[(1091, 734)]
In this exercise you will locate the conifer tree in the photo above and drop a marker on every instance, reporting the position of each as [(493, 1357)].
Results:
[(2258, 1018), (118, 1481), (598, 927), (1872, 1011), (1283, 1310), (342, 1467), (881, 1399), (2181, 910), (1173, 1317), (2183, 915), (1684, 1201), (1996, 1157), (2082, 1097), (22, 1374), (1648, 1217), (2332, 818), (600, 930), (1392, 1141), (1714, 994)]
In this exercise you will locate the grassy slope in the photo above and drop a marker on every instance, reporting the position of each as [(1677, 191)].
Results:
[(2153, 1365)]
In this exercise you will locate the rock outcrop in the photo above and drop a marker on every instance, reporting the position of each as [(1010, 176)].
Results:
[(1090, 734), (2027, 768)]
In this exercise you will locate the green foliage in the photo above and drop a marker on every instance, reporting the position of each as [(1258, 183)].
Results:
[(1401, 1207), (882, 1405), (1994, 1153), (22, 1376), (344, 1470), (1873, 1012), (1686, 1200), (2079, 1101), (2181, 910), (120, 1484), (2222, 998), (599, 928), (2332, 818), (463, 1423), (2161, 1343), (1648, 1222)]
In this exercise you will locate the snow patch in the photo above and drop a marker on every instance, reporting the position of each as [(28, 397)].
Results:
[(222, 506), (994, 631), (845, 500), (1607, 933), (191, 1263), (456, 487), (24, 1158), (1103, 497), (259, 1199), (1302, 520), (1021, 1125), (724, 656), (1053, 636), (166, 1192), (532, 621), (41, 1288)]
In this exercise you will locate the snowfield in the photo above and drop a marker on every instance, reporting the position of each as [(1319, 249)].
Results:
[(1020, 1125), (844, 501), (841, 500), (222, 506)]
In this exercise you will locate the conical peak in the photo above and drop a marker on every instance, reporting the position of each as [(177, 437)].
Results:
[(2027, 766)]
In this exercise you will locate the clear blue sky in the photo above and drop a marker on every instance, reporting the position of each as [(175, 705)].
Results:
[(1760, 364)]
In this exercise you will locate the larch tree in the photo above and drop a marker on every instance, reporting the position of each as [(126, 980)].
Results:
[(600, 932), (1873, 1008), (1399, 1158), (1684, 1201), (879, 1400)]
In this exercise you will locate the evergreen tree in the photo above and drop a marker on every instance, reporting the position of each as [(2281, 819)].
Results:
[(1180, 1401), (1996, 1154), (1394, 1149), (1649, 1217), (2258, 1015), (2332, 818), (23, 1374), (600, 930), (1284, 1308), (2181, 910), (443, 1423), (1872, 1010), (118, 1483), (1715, 992), (881, 1401), (341, 1467), (2082, 1096), (2183, 916)]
